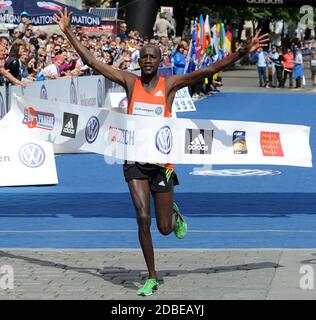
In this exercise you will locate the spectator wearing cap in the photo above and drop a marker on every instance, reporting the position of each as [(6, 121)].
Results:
[(25, 18), (52, 70)]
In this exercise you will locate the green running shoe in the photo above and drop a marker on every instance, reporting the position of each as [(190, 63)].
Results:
[(181, 228), (149, 287)]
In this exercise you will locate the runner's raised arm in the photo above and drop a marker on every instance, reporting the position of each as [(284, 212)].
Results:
[(179, 81), (63, 19)]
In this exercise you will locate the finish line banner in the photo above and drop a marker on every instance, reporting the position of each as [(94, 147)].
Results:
[(157, 139)]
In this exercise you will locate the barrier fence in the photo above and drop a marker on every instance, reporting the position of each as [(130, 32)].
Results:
[(91, 91)]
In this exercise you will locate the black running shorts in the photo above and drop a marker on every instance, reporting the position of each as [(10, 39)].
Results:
[(160, 179)]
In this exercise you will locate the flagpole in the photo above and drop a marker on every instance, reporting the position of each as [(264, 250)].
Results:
[(187, 60)]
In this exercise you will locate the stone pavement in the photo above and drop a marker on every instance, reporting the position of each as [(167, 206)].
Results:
[(186, 274), (245, 79)]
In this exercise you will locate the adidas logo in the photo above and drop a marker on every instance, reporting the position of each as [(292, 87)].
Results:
[(159, 93), (198, 144), (161, 183), (69, 127)]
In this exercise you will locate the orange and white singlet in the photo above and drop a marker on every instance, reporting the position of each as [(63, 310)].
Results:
[(153, 104)]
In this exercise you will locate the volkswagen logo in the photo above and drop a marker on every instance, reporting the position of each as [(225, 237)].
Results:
[(164, 140), (158, 111), (92, 129), (32, 155), (43, 94), (73, 93), (100, 94), (2, 106)]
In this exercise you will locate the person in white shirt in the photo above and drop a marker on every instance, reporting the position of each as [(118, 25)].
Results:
[(51, 71), (262, 67)]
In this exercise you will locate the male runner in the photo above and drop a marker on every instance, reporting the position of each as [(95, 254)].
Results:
[(155, 179)]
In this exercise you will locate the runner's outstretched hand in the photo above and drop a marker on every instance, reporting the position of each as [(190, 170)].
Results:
[(63, 19), (257, 41)]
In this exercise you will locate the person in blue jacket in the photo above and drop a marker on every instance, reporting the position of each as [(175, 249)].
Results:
[(179, 60), (298, 68)]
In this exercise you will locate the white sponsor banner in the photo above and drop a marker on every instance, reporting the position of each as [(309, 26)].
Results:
[(85, 91), (25, 161), (161, 140), (91, 91), (183, 101)]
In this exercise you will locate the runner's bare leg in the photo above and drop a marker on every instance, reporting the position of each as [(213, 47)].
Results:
[(166, 220), (140, 193)]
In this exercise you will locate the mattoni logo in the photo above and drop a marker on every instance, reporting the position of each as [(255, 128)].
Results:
[(164, 140), (49, 6), (92, 129), (32, 155), (70, 125), (198, 141)]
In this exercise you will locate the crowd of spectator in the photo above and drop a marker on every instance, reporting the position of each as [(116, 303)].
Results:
[(29, 55)]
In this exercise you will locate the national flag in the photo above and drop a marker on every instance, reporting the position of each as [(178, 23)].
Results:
[(200, 38), (208, 36), (215, 43), (229, 37)]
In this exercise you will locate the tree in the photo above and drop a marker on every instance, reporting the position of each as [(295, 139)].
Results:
[(185, 11)]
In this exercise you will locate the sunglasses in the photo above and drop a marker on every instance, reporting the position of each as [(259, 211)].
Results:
[(29, 29), (42, 55)]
